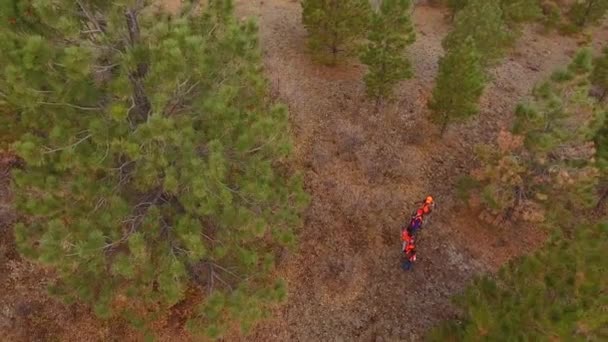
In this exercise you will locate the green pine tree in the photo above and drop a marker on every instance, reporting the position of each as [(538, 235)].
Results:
[(391, 31), (459, 85), (154, 160), (482, 20), (456, 5), (549, 154), (335, 26), (517, 11), (588, 12), (558, 293), (599, 76)]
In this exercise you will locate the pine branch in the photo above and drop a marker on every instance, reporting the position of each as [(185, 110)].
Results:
[(140, 97), (69, 146), (217, 277), (225, 270), (180, 97), (211, 276), (70, 105), (91, 18), (137, 218)]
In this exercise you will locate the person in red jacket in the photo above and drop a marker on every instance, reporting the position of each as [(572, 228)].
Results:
[(409, 250)]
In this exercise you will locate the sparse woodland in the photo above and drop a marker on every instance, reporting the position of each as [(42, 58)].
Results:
[(162, 173)]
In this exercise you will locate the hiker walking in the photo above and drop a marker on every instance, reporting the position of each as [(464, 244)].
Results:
[(408, 233), (409, 250)]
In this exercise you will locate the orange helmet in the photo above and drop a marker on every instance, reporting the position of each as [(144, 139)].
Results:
[(429, 200)]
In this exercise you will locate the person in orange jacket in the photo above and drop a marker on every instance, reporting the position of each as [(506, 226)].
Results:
[(427, 205)]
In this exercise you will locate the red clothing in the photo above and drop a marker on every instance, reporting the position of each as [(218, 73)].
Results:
[(409, 245), (426, 208)]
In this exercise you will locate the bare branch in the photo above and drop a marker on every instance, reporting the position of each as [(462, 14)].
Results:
[(222, 281), (225, 270), (70, 105), (211, 276), (140, 98), (90, 17)]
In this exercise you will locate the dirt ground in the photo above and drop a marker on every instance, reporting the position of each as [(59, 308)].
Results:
[(364, 171)]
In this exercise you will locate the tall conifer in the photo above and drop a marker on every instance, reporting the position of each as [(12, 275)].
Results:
[(458, 86), (544, 170), (586, 12), (599, 75), (391, 31), (335, 26), (154, 161), (482, 20)]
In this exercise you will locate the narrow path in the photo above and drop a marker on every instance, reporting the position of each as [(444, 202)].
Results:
[(365, 170), (364, 174)]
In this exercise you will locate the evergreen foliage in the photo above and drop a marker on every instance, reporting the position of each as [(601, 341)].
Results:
[(335, 26), (545, 165), (588, 12), (549, 154), (391, 31), (456, 5), (459, 85), (517, 11), (514, 10), (154, 160), (482, 20), (599, 76), (558, 293)]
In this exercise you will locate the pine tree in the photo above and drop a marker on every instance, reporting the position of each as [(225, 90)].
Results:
[(459, 85), (549, 154), (517, 11), (391, 31), (456, 5), (335, 26), (586, 12), (558, 293), (599, 76), (154, 160), (483, 21)]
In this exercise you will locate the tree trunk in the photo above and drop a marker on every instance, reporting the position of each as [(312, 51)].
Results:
[(587, 11), (334, 53), (444, 125), (140, 98), (378, 103), (603, 96), (601, 200)]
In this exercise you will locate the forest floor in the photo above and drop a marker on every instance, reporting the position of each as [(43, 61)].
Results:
[(364, 171)]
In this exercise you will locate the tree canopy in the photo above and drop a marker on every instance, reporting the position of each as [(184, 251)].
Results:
[(545, 170), (335, 26), (459, 85), (557, 293), (585, 12), (599, 75), (484, 22), (514, 10), (155, 161), (549, 154), (390, 33)]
